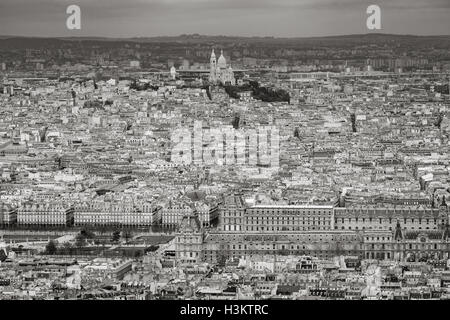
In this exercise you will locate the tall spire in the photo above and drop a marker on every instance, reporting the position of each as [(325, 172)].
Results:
[(398, 232), (212, 60), (443, 204), (212, 63)]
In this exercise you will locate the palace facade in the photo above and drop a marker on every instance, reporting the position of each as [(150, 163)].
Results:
[(411, 234)]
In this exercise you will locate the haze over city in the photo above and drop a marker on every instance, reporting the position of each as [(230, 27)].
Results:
[(281, 18)]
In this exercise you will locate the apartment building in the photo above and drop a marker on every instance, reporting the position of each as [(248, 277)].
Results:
[(45, 214), (103, 213)]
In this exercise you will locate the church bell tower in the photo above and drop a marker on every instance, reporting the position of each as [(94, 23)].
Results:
[(213, 64)]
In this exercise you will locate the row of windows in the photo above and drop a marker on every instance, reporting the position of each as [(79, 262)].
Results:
[(378, 238), (105, 216), (45, 214), (93, 221), (308, 222), (289, 212), (188, 254), (292, 238), (252, 228), (267, 247), (380, 228), (321, 254), (44, 223), (277, 222), (384, 220), (40, 213), (410, 246), (277, 219), (42, 208), (102, 223), (110, 211), (43, 219)]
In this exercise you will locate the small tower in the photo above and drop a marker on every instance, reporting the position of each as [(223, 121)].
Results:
[(189, 239), (213, 66), (213, 60), (443, 210), (398, 235)]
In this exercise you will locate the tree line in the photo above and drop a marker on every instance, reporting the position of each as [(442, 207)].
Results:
[(264, 94), (81, 241)]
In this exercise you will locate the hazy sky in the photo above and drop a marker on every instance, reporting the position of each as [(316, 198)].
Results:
[(289, 18)]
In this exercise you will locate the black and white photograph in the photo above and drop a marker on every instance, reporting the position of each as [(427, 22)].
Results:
[(216, 152)]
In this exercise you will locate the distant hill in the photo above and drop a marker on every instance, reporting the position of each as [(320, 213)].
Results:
[(18, 42)]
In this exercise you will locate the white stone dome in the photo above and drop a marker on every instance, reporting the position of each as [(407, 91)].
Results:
[(222, 62)]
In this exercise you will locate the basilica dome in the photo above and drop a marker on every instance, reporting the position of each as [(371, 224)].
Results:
[(222, 62)]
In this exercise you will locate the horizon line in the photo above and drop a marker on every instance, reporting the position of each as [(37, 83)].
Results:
[(2, 37)]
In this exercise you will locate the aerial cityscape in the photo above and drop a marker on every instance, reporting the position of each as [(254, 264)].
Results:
[(206, 167)]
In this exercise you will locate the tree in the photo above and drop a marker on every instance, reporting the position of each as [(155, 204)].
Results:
[(232, 92), (152, 248), (116, 236), (67, 248), (80, 240), (88, 234), (51, 248), (268, 94)]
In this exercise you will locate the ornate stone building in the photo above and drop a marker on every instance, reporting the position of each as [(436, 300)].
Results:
[(189, 239), (386, 218), (391, 245), (410, 245), (411, 234), (219, 72)]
